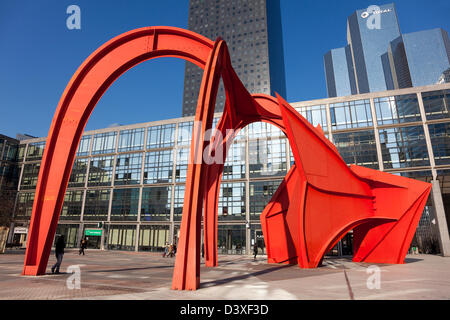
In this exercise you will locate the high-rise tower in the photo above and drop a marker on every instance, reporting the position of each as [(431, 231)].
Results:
[(253, 32)]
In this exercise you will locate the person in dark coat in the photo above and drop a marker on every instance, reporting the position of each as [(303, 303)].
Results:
[(59, 252), (255, 250), (83, 245)]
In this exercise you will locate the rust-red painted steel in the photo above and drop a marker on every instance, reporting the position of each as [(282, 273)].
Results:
[(85, 88), (317, 203)]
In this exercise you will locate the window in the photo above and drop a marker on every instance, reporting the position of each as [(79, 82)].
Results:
[(351, 114), (440, 141), (104, 143), (397, 109), (257, 130), (184, 136), (156, 203), (232, 201), (30, 175), (71, 209), (181, 164), (96, 205), (234, 167), (79, 172), (153, 237), (100, 171), (161, 136), (125, 204), (121, 237), (35, 151), (130, 140), (178, 202), (315, 115), (267, 157), (436, 104), (260, 194), (128, 169), (404, 147), (83, 147), (158, 166), (24, 205), (357, 148)]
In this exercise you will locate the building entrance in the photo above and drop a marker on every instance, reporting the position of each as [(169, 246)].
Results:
[(259, 238), (93, 237)]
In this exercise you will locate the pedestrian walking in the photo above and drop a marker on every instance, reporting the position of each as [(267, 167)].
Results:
[(83, 245), (166, 250), (171, 250), (255, 251), (59, 252), (203, 250)]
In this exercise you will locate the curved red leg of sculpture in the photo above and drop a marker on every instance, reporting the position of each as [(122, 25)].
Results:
[(85, 88)]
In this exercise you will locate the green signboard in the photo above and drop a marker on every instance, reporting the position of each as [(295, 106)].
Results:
[(93, 232)]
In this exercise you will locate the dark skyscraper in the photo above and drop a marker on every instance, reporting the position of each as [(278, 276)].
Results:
[(252, 30)]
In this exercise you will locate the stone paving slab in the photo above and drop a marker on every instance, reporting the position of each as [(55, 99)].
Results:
[(121, 275)]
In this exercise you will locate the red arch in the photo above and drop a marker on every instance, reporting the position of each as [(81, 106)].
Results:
[(319, 200), (82, 93)]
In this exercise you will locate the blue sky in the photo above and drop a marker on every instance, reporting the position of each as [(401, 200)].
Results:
[(38, 54)]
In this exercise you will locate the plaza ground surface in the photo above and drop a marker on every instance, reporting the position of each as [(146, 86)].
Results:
[(138, 276)]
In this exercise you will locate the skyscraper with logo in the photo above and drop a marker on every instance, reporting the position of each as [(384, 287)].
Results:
[(378, 57), (366, 68), (253, 32)]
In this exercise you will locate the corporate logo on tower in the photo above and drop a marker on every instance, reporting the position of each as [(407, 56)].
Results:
[(373, 16)]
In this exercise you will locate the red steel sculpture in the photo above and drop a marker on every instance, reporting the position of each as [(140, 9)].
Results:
[(317, 203)]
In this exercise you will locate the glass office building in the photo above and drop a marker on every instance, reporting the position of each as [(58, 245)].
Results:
[(419, 58), (368, 34), (126, 189), (9, 173), (252, 30), (382, 58), (339, 72)]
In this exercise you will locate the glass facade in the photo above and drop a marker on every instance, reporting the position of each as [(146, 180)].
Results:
[(418, 65), (161, 136), (130, 140), (156, 203), (101, 171), (352, 114), (378, 57), (397, 109), (79, 172), (358, 147), (137, 189), (404, 147), (158, 166), (128, 169), (153, 237), (316, 115), (339, 72), (125, 204), (369, 43), (436, 104), (104, 143)]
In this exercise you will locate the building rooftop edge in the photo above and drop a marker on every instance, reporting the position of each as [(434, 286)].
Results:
[(386, 93)]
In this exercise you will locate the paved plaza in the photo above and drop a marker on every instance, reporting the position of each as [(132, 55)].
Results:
[(138, 276)]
